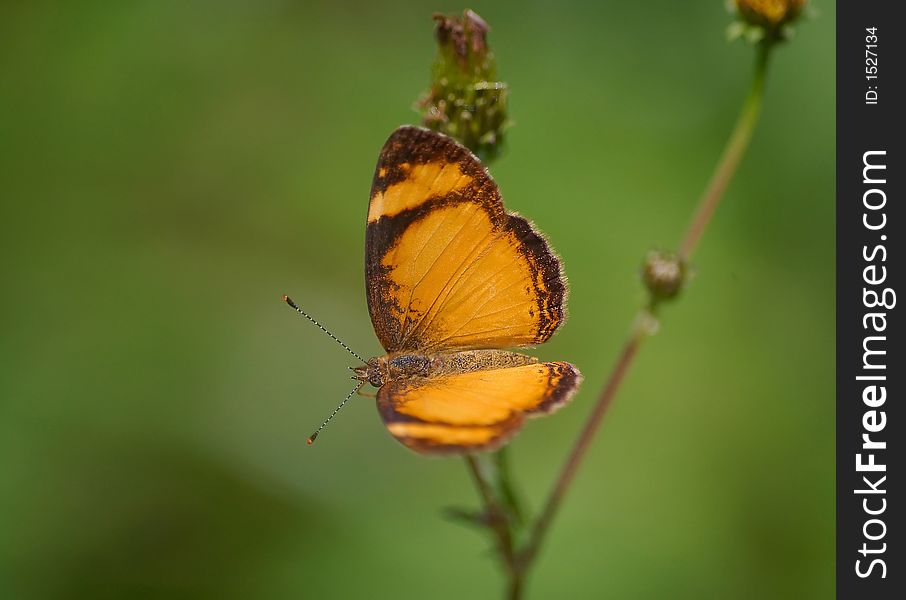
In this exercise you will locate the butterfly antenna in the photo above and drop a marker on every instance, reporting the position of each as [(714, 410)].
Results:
[(314, 436), (289, 301)]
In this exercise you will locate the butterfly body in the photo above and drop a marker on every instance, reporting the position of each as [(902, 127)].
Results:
[(453, 281), (384, 369)]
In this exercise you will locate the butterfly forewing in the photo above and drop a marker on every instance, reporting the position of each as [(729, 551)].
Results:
[(446, 267)]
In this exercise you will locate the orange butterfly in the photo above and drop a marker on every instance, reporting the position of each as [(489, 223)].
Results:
[(452, 279)]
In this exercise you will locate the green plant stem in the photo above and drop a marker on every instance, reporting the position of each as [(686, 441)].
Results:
[(520, 562), (495, 517), (729, 160), (508, 495)]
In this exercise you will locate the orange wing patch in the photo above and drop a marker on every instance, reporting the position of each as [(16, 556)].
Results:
[(446, 267), (432, 438), (473, 411), (421, 183)]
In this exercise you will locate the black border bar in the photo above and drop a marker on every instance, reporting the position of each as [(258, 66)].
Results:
[(871, 563)]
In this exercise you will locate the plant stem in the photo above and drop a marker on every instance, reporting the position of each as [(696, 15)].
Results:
[(729, 160), (723, 173), (495, 516), (508, 496), (630, 348), (514, 591)]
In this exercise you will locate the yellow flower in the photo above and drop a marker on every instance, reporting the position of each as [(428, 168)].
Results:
[(770, 14)]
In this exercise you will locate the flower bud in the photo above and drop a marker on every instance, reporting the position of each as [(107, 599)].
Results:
[(766, 19), (465, 101), (664, 274)]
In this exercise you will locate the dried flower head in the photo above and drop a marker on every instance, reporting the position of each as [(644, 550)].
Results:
[(465, 101)]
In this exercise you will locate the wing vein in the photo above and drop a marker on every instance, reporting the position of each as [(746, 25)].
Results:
[(416, 324), (404, 334), (450, 285)]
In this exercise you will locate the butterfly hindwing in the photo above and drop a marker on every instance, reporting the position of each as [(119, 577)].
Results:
[(478, 410), (446, 266)]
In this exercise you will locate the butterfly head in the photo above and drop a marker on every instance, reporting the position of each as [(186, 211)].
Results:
[(375, 371)]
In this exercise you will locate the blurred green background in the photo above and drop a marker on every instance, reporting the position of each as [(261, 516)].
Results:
[(169, 169)]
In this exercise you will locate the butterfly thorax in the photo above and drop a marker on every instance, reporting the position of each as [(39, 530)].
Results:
[(396, 366)]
